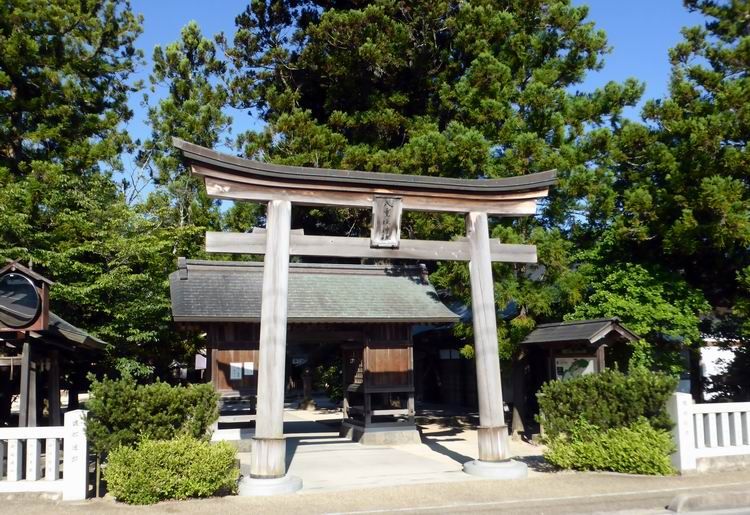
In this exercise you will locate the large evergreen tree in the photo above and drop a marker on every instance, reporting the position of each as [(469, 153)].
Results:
[(703, 222), (192, 73), (192, 109), (680, 182), (64, 85), (459, 89)]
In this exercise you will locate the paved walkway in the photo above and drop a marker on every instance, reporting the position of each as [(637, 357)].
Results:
[(326, 462)]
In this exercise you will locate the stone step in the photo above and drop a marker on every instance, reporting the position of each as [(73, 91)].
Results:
[(239, 438), (236, 419)]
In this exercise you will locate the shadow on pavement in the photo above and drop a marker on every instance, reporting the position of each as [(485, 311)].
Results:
[(435, 446), (536, 463)]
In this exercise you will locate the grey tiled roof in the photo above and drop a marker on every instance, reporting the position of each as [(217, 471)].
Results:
[(231, 291), (578, 331), (71, 334)]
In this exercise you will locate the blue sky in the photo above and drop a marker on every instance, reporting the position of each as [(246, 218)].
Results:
[(640, 32)]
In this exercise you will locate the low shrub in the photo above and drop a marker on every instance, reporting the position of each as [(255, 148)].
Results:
[(637, 449), (330, 379), (121, 412), (158, 470), (607, 400)]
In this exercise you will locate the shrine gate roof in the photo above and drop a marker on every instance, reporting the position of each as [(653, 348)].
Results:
[(209, 157), (230, 291), (235, 178)]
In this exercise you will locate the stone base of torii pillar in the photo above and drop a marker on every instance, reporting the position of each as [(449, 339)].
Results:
[(254, 487), (508, 469)]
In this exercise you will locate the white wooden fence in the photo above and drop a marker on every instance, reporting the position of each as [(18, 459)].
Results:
[(31, 459), (713, 430)]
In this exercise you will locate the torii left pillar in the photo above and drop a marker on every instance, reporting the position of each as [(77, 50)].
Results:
[(268, 458)]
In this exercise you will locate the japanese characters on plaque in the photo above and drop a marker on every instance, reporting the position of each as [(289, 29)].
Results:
[(386, 222)]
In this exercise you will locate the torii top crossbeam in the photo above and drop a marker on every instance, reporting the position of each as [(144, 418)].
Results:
[(229, 177)]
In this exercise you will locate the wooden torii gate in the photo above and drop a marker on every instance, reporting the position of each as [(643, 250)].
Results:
[(233, 178)]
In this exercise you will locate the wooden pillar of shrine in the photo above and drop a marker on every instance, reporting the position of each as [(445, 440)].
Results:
[(268, 458), (27, 415), (492, 431), (53, 389)]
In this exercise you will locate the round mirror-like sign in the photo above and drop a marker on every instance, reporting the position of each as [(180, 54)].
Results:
[(19, 301)]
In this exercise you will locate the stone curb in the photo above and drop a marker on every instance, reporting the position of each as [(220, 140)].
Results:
[(686, 503)]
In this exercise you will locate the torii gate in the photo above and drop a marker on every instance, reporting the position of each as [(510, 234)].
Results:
[(233, 178)]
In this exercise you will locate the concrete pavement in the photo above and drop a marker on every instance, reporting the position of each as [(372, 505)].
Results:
[(326, 462)]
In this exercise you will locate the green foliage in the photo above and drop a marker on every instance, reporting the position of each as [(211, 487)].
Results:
[(64, 86), (635, 449), (64, 66), (330, 379), (609, 399), (660, 307), (122, 412), (171, 469), (680, 180), (468, 89), (193, 109), (647, 220)]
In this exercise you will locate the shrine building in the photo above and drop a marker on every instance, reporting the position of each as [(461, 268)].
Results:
[(367, 311)]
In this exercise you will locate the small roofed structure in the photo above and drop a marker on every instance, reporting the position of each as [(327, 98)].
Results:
[(580, 331), (368, 310), (577, 347), (62, 333), (564, 350), (37, 349)]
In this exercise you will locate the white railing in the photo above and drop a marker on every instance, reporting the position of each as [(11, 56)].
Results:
[(46, 459), (708, 430)]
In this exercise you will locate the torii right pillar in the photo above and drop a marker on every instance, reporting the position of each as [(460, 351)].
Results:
[(494, 452)]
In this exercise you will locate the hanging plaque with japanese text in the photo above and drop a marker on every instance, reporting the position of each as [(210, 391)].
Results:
[(386, 222)]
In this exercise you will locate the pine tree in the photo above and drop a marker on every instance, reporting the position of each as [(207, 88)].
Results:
[(191, 73), (457, 89), (65, 70), (681, 185)]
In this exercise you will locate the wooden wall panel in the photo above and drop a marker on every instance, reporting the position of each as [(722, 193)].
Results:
[(248, 384), (233, 343), (389, 333), (389, 365)]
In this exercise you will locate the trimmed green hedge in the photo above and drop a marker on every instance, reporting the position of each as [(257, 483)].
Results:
[(637, 449), (171, 469), (122, 412), (609, 399)]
